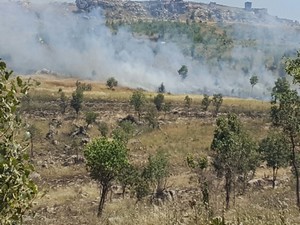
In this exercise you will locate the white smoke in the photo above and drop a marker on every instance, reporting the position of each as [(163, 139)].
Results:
[(51, 36)]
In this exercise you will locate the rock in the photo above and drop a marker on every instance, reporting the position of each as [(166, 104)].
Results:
[(55, 142), (50, 210), (257, 183), (35, 176), (45, 165), (67, 148)]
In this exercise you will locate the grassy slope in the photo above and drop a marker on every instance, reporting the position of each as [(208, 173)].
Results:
[(72, 198)]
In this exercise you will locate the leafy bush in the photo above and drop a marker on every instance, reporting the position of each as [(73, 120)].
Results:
[(17, 190), (103, 128), (158, 101), (83, 86), (111, 83), (90, 117)]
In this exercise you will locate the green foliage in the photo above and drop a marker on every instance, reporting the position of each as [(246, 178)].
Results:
[(142, 188), (105, 161), (63, 102), (285, 107), (200, 167), (128, 127), (16, 188), (33, 131), (234, 151), (183, 72), (217, 101), (158, 101), (218, 221), (124, 131), (292, 67), (205, 102), (166, 107), (152, 117), (138, 100), (90, 117), (201, 163), (77, 100), (128, 176), (83, 86), (198, 40), (161, 88), (275, 150), (120, 135), (188, 101), (111, 83), (285, 114), (253, 80), (157, 170), (103, 128)]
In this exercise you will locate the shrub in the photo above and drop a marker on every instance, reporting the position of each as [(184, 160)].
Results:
[(111, 83)]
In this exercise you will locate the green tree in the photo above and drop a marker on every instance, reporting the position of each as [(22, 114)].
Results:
[(17, 190), (32, 129), (233, 151), (111, 83), (105, 161), (138, 100), (152, 117), (166, 108), (63, 102), (292, 67), (188, 101), (253, 80), (201, 167), (158, 101), (205, 102), (183, 72), (217, 102), (90, 117), (157, 170), (161, 88), (77, 100), (285, 113), (275, 150), (128, 177)]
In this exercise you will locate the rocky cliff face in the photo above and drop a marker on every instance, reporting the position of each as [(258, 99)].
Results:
[(178, 10)]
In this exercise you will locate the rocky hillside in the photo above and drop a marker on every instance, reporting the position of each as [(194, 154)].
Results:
[(180, 10)]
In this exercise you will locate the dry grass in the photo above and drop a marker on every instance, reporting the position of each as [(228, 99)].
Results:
[(72, 198)]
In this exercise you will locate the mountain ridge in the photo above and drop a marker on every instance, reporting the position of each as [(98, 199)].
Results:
[(179, 10)]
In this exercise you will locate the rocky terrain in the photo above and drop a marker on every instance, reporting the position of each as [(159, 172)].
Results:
[(180, 10)]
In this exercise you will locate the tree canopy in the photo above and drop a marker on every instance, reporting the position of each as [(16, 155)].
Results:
[(105, 160), (234, 152)]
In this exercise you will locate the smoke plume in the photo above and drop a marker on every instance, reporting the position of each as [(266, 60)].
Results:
[(51, 36)]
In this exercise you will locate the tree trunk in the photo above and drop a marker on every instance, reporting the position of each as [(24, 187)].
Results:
[(123, 191), (103, 192), (275, 169), (294, 163), (228, 182), (244, 183), (31, 148), (205, 194)]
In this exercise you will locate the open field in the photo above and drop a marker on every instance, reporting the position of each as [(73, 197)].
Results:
[(69, 196)]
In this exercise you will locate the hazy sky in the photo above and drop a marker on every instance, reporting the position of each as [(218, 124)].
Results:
[(288, 9)]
